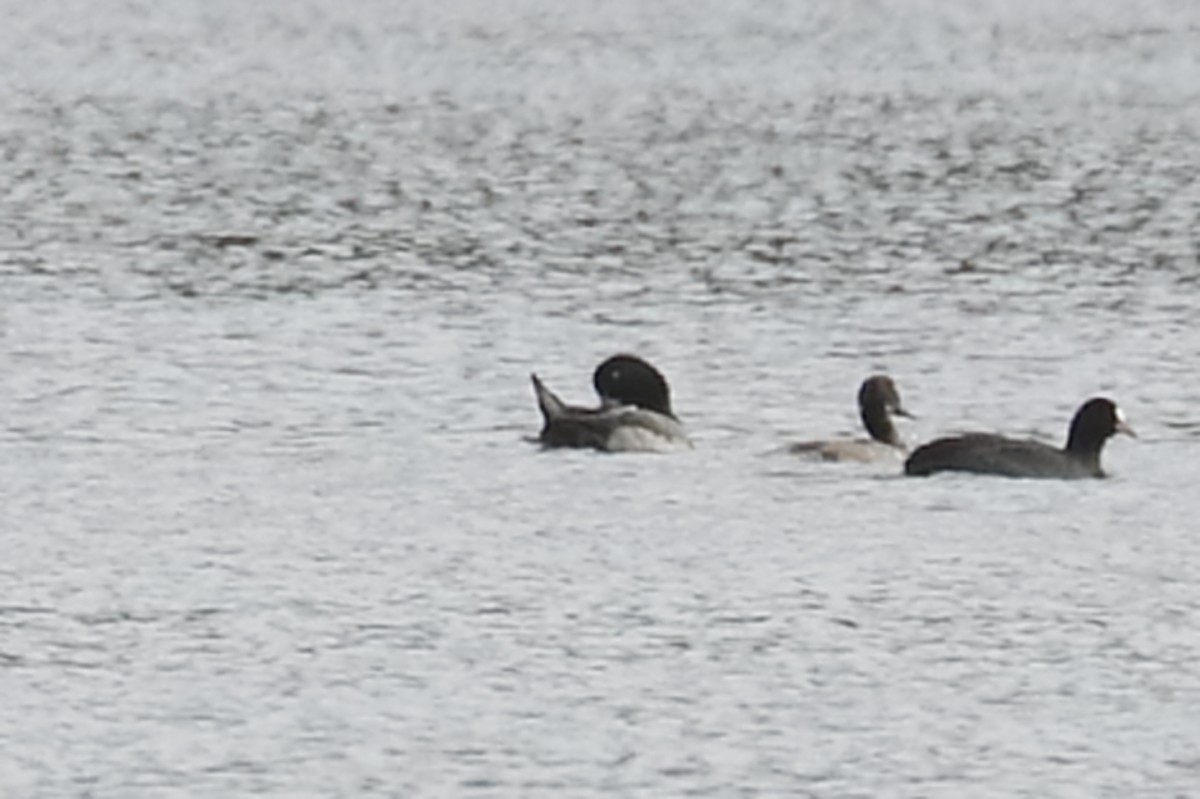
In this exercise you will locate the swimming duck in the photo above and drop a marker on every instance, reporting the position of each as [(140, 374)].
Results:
[(1094, 423), (634, 415), (878, 400)]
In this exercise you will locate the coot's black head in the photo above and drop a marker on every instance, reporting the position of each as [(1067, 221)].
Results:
[(878, 399), (628, 380), (1095, 422)]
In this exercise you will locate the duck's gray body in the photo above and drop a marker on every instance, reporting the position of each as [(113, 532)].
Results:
[(878, 400), (634, 415), (850, 450), (615, 428)]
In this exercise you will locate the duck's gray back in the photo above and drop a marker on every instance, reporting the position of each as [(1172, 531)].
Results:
[(846, 450)]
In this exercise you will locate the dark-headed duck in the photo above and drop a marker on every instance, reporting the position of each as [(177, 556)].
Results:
[(878, 401), (634, 415)]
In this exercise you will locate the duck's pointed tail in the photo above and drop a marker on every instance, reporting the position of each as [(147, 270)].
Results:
[(549, 403)]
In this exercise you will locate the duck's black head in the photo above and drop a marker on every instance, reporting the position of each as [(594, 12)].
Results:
[(628, 380), (878, 399), (1095, 422)]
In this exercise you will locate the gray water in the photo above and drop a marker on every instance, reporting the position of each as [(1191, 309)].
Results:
[(274, 277)]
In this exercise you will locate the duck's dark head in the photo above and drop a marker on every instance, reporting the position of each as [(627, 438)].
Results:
[(629, 380), (1095, 422), (878, 401)]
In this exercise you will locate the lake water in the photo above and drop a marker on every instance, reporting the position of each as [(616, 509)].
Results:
[(274, 277)]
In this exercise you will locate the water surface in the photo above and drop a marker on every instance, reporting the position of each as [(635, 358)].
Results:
[(274, 278)]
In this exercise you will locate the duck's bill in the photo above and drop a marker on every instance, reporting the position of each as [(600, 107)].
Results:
[(903, 412)]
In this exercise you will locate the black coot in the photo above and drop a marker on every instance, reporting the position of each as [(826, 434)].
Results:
[(1094, 423)]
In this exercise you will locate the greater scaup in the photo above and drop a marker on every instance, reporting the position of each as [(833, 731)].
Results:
[(634, 415)]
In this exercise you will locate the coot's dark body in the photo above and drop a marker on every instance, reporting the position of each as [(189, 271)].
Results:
[(1094, 423)]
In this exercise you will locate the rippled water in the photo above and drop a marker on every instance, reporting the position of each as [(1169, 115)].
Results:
[(274, 277)]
